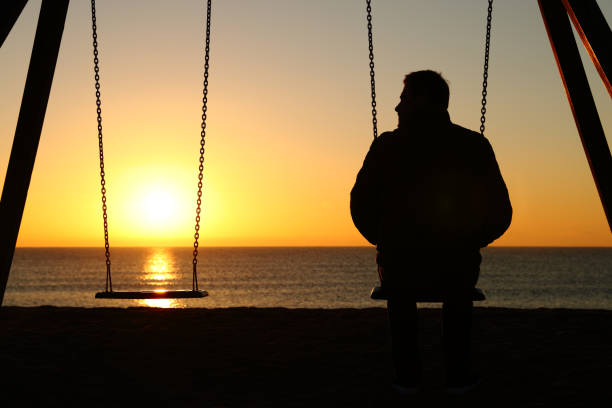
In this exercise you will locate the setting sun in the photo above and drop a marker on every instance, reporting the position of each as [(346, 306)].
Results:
[(159, 206), (152, 205)]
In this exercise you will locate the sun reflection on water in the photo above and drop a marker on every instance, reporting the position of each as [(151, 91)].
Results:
[(163, 303), (159, 268)]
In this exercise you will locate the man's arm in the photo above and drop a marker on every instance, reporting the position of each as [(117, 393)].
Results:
[(499, 210), (365, 195)]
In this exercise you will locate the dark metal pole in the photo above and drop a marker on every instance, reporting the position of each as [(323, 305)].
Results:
[(595, 34), (29, 125), (9, 13), (580, 98)]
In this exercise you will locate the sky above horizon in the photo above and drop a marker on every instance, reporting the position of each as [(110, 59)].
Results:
[(288, 118)]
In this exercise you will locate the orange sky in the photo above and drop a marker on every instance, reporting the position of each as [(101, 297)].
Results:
[(289, 119)]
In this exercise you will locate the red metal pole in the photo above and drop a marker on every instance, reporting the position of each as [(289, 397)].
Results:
[(595, 34), (580, 99)]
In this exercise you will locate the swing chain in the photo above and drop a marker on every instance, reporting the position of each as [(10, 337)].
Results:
[(485, 75), (372, 81), (202, 144), (109, 283)]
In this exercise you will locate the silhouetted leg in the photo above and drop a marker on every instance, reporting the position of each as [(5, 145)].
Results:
[(457, 328), (404, 340)]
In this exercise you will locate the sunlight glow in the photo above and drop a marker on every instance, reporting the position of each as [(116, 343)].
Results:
[(154, 206), (283, 151), (159, 206)]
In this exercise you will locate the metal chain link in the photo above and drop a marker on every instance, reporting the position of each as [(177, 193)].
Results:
[(372, 81), (109, 282), (202, 144), (485, 75)]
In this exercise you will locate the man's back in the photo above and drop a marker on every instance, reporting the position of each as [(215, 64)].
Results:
[(430, 185)]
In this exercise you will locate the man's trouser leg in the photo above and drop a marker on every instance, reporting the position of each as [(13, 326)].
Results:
[(457, 328), (404, 340)]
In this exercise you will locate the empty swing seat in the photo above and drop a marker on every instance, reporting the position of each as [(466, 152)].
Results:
[(109, 293), (379, 293), (152, 294)]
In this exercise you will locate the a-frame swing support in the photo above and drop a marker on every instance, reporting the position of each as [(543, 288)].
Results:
[(31, 117), (597, 37), (588, 19)]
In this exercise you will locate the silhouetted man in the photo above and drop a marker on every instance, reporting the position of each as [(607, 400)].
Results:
[(429, 196)]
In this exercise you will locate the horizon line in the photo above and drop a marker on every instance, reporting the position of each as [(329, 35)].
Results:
[(297, 246)]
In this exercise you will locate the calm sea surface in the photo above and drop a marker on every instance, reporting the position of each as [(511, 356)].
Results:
[(296, 277)]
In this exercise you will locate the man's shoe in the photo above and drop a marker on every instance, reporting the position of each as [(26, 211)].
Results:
[(463, 386)]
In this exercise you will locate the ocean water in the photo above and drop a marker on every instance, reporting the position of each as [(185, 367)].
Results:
[(327, 277)]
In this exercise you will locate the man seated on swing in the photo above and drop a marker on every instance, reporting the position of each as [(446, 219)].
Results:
[(429, 195)]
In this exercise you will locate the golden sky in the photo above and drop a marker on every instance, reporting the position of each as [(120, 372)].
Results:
[(288, 120)]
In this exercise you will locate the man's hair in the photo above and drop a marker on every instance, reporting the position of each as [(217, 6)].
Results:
[(431, 85)]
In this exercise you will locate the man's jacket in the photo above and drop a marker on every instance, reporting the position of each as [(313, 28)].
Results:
[(430, 186)]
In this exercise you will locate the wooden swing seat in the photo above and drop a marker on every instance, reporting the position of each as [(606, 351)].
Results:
[(151, 294), (378, 293)]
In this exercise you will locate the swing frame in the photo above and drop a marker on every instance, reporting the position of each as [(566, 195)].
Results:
[(592, 27)]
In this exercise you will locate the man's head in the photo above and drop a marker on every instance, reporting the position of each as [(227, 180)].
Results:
[(424, 92)]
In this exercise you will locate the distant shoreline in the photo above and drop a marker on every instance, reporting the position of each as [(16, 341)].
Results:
[(289, 246)]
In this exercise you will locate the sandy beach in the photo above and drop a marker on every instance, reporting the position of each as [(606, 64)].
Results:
[(244, 357)]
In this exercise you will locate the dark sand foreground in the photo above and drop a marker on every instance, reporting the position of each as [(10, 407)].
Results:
[(248, 357)]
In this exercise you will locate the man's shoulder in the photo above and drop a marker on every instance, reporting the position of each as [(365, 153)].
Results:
[(466, 132), (388, 136), (386, 140), (468, 136)]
